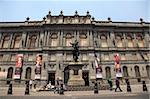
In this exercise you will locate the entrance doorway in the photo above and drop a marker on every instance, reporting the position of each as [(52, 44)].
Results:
[(66, 75), (51, 78), (85, 76)]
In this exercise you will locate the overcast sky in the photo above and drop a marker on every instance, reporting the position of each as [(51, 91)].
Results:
[(118, 10)]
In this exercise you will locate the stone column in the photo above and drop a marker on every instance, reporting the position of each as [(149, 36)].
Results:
[(1, 39), (45, 38), (125, 42), (109, 40), (147, 39), (135, 41), (77, 37), (41, 39), (91, 38), (27, 41), (112, 39), (61, 38), (92, 72), (11, 40), (59, 64), (48, 39), (23, 40), (44, 70), (37, 40)]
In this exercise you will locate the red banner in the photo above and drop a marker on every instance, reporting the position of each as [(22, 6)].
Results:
[(19, 60), (117, 65), (19, 64)]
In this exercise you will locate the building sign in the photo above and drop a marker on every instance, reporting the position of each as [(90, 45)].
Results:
[(98, 68), (19, 64), (38, 66), (117, 65)]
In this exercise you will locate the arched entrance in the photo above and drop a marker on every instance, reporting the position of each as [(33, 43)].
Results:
[(85, 76), (9, 74), (66, 75), (108, 72), (148, 69), (125, 71), (137, 73), (28, 73)]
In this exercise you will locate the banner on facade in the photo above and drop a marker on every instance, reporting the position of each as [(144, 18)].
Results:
[(38, 66), (117, 65), (98, 68), (19, 64)]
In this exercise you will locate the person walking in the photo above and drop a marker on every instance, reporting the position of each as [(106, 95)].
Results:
[(117, 85), (110, 84)]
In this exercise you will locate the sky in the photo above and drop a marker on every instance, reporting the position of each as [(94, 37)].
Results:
[(118, 10)]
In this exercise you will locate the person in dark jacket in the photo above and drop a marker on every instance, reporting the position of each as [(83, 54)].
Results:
[(117, 85)]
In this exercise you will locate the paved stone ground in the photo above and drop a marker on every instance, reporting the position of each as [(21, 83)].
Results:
[(19, 91)]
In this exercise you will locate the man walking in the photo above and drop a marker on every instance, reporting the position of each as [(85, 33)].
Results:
[(117, 85)]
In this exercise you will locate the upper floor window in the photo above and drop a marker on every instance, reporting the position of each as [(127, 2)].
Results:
[(84, 57), (140, 40), (32, 41), (5, 43), (103, 41), (83, 39), (13, 57), (31, 57), (123, 57), (119, 41), (54, 39), (52, 57), (130, 41), (68, 39), (1, 57), (17, 42)]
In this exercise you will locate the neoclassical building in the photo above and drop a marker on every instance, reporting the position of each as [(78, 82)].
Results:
[(51, 38)]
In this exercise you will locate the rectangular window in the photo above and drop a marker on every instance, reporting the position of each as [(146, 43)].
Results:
[(104, 43), (83, 42), (106, 57), (123, 57), (84, 57), (31, 57), (13, 57), (54, 42), (52, 57), (68, 41), (69, 57), (1, 57)]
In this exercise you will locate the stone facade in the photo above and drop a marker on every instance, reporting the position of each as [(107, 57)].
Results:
[(51, 38)]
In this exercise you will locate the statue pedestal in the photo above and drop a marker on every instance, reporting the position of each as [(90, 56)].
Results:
[(75, 77)]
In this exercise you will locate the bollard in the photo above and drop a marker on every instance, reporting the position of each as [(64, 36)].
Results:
[(144, 86), (61, 90), (95, 88), (128, 86), (10, 89), (27, 88)]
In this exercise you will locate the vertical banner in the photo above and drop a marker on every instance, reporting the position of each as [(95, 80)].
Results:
[(98, 68), (19, 64), (38, 67), (117, 65)]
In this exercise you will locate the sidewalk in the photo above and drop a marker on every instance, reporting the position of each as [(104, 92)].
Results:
[(19, 91)]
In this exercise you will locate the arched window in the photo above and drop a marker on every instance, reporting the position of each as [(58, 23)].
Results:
[(140, 41), (32, 41), (148, 70), (28, 73), (130, 41), (125, 71), (68, 39), (103, 41), (9, 74), (119, 41), (5, 43), (137, 73), (54, 40), (83, 39), (108, 72), (17, 42)]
